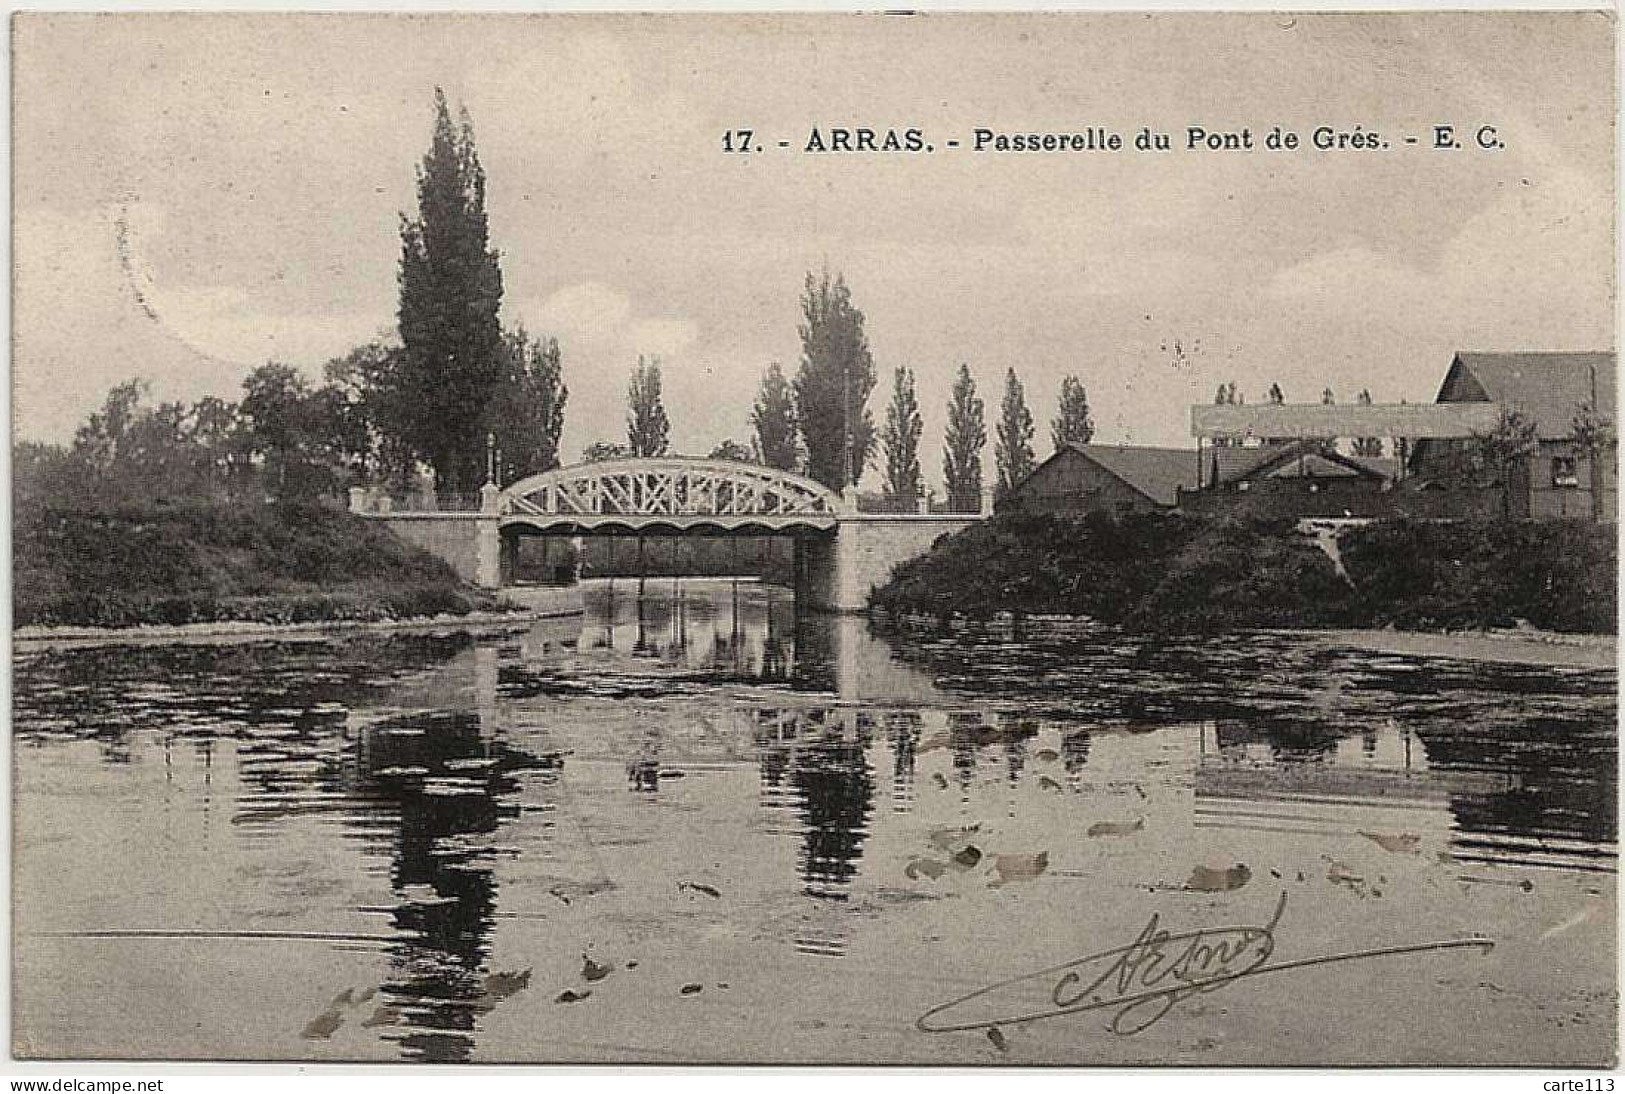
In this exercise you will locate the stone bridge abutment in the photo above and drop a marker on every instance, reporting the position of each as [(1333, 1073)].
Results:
[(840, 554)]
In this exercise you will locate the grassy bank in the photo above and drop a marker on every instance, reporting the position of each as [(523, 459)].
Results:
[(209, 562), (1169, 572)]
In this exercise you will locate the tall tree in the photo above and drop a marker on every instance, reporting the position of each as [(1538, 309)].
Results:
[(527, 410), (129, 449), (647, 427), (1504, 452), (1275, 397), (379, 412), (1227, 396), (1073, 425), (901, 439), (833, 384), (297, 433), (774, 419), (450, 292), (1328, 397), (103, 438), (1013, 452), (43, 475), (962, 447), (274, 419), (216, 431), (1366, 446)]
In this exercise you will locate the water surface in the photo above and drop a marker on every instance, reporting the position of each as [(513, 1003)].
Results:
[(692, 826)]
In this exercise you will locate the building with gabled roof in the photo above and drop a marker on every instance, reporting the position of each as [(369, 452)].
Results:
[(1557, 477), (1112, 478), (1306, 478)]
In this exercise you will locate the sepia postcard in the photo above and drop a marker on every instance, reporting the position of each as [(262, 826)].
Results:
[(977, 539)]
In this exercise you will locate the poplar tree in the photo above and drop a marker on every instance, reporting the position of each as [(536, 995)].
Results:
[(774, 419), (962, 448), (647, 427), (1366, 446), (527, 410), (901, 439), (1226, 396), (1013, 453), (833, 383), (1073, 425), (452, 356)]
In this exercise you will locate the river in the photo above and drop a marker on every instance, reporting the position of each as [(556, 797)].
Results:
[(693, 826)]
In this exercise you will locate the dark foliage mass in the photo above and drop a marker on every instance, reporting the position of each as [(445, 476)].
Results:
[(205, 562), (1559, 575), (1173, 573), (774, 419), (451, 364), (832, 386)]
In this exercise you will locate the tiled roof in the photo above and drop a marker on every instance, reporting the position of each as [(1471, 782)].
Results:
[(1240, 463), (1158, 473), (1386, 466), (1544, 387), (1235, 462)]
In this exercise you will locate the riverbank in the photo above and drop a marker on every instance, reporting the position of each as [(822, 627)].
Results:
[(1180, 574), (222, 565), (521, 608), (1519, 647)]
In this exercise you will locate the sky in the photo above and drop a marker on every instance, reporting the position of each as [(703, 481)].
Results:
[(194, 195)]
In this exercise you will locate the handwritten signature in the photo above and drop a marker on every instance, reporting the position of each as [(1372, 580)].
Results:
[(1142, 981)]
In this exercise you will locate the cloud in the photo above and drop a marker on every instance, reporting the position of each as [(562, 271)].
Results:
[(1520, 273), (1352, 271), (235, 326), (92, 311), (600, 318), (590, 311), (664, 337), (1538, 242), (601, 334)]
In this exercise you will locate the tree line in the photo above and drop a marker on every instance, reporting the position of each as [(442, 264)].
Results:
[(820, 423), (455, 398)]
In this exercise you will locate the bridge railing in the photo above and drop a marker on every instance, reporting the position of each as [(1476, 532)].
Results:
[(969, 504), (887, 503), (379, 500)]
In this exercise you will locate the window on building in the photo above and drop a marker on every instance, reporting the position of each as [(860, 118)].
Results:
[(1564, 472)]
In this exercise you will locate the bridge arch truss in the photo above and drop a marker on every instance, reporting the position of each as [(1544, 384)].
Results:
[(669, 495)]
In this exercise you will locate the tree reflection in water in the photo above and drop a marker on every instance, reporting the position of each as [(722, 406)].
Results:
[(903, 736), (451, 784), (1496, 764)]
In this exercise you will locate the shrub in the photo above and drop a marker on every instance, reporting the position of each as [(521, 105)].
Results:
[(208, 562), (1167, 572)]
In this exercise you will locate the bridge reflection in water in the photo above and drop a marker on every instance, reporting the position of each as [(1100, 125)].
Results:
[(830, 551), (705, 758)]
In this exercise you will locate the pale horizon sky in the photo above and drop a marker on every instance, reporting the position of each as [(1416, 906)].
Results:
[(194, 195)]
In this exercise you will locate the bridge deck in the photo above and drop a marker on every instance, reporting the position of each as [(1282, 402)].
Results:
[(668, 524)]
